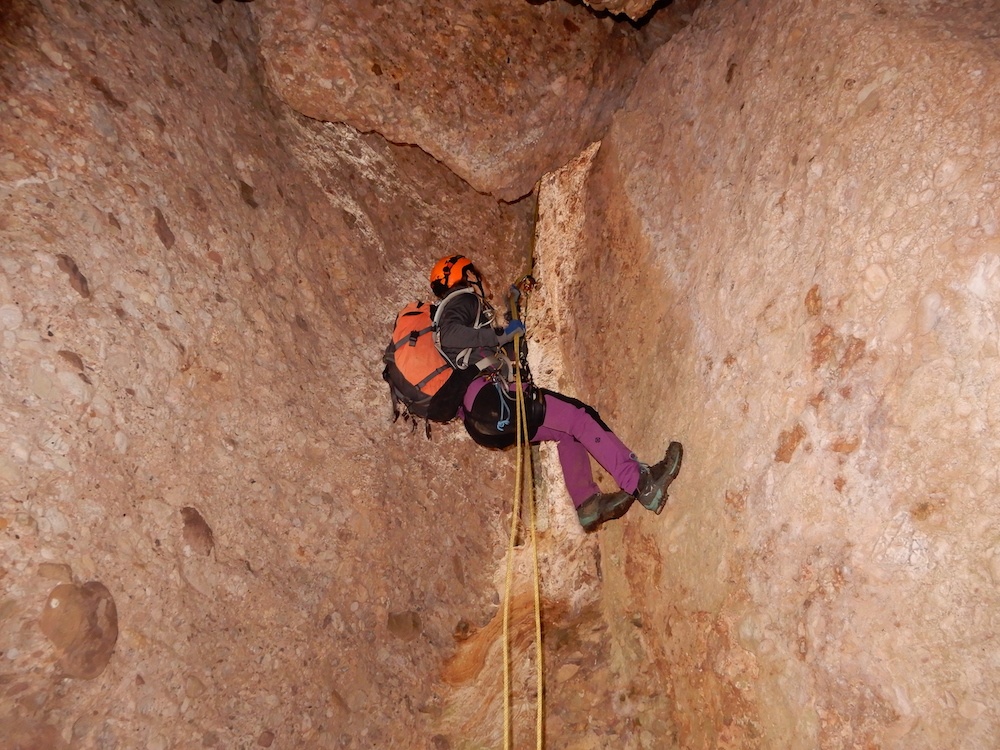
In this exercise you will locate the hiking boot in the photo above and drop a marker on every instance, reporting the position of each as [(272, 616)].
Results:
[(601, 507), (654, 480)]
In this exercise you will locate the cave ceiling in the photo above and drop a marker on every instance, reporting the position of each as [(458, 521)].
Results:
[(499, 91)]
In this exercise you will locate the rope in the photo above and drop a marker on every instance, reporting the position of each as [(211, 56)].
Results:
[(504, 409), (506, 598), (539, 679), (523, 459)]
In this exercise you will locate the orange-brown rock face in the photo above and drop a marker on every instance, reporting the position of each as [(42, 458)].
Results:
[(785, 252), (499, 91), (796, 221), (211, 534), (634, 9)]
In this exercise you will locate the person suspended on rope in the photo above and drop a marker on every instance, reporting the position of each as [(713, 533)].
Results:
[(471, 334)]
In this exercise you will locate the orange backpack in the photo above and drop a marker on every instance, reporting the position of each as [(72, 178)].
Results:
[(419, 376)]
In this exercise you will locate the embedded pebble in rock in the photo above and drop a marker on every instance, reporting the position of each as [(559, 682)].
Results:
[(197, 533), (404, 625), (25, 734), (56, 572), (81, 621), (876, 282), (76, 279), (10, 317), (193, 687), (163, 229)]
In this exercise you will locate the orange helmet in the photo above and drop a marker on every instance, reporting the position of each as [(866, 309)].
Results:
[(449, 272)]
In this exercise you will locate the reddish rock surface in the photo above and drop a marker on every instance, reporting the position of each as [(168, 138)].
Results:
[(634, 9), (196, 285), (499, 91), (784, 252)]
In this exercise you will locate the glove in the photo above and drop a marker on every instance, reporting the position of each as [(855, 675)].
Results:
[(514, 293), (514, 328)]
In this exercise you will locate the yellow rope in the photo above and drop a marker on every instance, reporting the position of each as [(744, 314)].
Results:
[(539, 681), (522, 478), (523, 456), (506, 598)]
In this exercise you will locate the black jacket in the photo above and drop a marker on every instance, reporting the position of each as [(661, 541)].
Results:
[(491, 421), (465, 325)]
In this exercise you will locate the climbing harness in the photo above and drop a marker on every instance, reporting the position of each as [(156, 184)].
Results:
[(523, 477)]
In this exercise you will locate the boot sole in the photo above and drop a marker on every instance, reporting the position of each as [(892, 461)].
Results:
[(610, 514), (670, 476)]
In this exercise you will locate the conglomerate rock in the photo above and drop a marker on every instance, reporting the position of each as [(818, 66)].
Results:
[(499, 90), (195, 289), (786, 252), (634, 9)]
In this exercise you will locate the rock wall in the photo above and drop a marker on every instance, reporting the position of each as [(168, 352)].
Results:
[(786, 254), (499, 91), (211, 535)]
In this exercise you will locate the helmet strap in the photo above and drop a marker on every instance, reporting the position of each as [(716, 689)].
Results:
[(478, 286)]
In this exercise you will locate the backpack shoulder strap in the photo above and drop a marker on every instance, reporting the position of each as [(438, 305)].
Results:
[(439, 311)]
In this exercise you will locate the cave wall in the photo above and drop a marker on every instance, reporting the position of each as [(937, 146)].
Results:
[(499, 91), (211, 534), (785, 253)]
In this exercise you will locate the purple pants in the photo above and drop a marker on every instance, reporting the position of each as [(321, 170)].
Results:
[(579, 433)]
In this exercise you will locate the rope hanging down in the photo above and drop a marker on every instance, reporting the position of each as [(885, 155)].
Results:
[(523, 477)]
